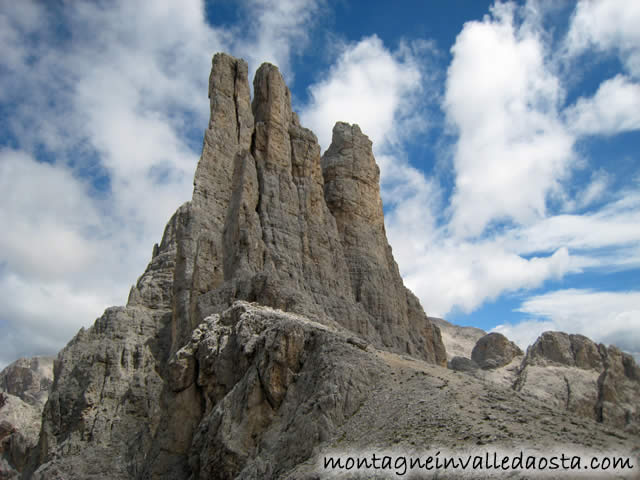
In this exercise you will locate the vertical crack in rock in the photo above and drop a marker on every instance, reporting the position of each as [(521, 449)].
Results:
[(568, 402), (235, 101)]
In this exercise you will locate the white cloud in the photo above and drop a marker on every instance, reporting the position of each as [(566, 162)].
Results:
[(49, 216), (615, 108), (612, 226), (595, 190), (465, 275), (513, 151), (607, 25), (368, 85), (607, 317), (41, 318), (502, 98)]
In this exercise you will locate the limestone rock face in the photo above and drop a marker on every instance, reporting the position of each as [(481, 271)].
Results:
[(573, 373), (159, 388), (272, 321), (270, 222), (559, 348), (494, 350), (24, 388)]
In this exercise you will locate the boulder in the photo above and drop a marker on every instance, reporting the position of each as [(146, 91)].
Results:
[(494, 350)]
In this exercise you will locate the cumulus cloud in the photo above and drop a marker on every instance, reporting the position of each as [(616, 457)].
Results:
[(607, 317), (502, 98)]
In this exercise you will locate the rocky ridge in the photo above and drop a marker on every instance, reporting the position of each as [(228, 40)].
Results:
[(573, 373), (570, 372)]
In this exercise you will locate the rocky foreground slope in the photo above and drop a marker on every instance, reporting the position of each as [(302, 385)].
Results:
[(272, 324)]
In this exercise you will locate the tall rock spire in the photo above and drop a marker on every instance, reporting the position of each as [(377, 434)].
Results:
[(269, 222), (272, 222), (352, 192), (200, 256)]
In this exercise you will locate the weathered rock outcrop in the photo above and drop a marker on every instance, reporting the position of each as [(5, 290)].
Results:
[(143, 393), (494, 350), (575, 374), (274, 385), (24, 388)]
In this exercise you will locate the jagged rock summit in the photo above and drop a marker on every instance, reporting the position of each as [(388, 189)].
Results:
[(270, 222), (274, 223)]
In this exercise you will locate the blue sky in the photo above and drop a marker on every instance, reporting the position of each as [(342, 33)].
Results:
[(507, 135)]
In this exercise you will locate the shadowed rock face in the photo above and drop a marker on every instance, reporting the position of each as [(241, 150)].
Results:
[(270, 222)]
